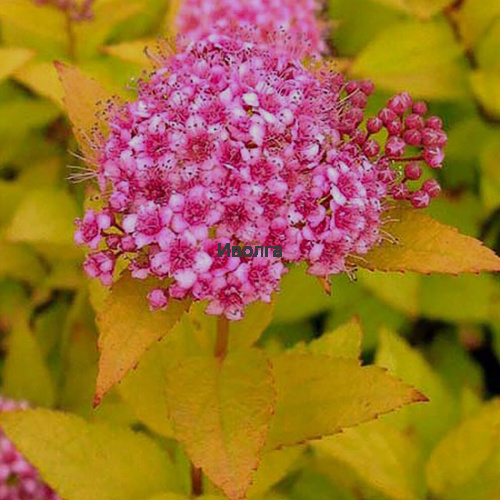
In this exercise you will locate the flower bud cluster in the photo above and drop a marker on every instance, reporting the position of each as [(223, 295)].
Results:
[(19, 480), (238, 142)]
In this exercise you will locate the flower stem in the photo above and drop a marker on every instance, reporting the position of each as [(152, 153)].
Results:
[(196, 481), (70, 31), (222, 341)]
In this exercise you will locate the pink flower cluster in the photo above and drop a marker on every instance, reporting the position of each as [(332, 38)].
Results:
[(298, 19), (79, 10), (19, 480), (233, 141)]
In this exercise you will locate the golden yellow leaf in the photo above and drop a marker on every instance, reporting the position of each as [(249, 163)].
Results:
[(133, 51), (319, 396), (220, 411), (424, 245), (128, 328)]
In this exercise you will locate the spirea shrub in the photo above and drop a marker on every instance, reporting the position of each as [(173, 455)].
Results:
[(237, 142), (19, 480)]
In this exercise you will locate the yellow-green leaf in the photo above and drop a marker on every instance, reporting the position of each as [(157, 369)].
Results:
[(421, 58), (431, 420), (383, 457), (44, 217), (19, 261), (486, 86), (41, 78), (400, 291), (25, 374), (88, 461), (85, 100), (220, 411), (128, 328), (490, 173), (425, 245), (40, 29), (246, 332), (343, 342), (464, 466), (11, 59), (133, 52), (475, 18), (320, 396)]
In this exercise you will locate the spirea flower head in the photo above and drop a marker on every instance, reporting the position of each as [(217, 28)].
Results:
[(19, 480), (299, 19), (233, 142)]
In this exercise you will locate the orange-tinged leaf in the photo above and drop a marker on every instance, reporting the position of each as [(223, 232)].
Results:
[(318, 396), (127, 328), (220, 411), (424, 245), (86, 101)]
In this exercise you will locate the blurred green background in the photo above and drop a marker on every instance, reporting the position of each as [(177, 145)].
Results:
[(440, 333)]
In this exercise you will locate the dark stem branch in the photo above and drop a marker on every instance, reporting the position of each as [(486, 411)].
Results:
[(222, 341), (196, 481)]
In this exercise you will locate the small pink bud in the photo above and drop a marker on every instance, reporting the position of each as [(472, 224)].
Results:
[(420, 108), (374, 125), (420, 199), (400, 103), (387, 115), (400, 192), (395, 146), (413, 171), (435, 122), (371, 148), (394, 127), (434, 157), (412, 137), (367, 86), (432, 188), (351, 87), (414, 121)]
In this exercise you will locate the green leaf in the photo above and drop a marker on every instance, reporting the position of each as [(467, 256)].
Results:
[(465, 464), (88, 461), (478, 298), (421, 58), (220, 411), (128, 328), (383, 457), (33, 384), (490, 173), (319, 396), (19, 261), (11, 59), (424, 245), (429, 421), (489, 47), (400, 291)]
